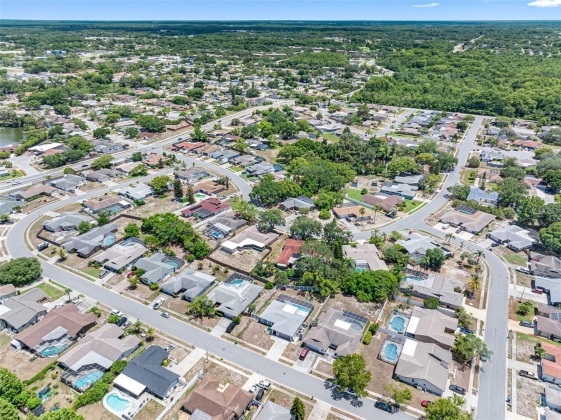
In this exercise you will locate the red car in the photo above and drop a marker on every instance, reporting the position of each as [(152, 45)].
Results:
[(537, 291), (426, 403)]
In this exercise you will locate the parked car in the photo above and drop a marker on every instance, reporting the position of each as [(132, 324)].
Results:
[(264, 384), (253, 389), (304, 353), (158, 303), (385, 406), (457, 389), (122, 321), (466, 330), (523, 270), (426, 403), (127, 324), (116, 312), (230, 327), (527, 374), (42, 246), (537, 291), (260, 394), (103, 274), (58, 305), (165, 315), (527, 324), (484, 355), (169, 347), (77, 301), (495, 244)]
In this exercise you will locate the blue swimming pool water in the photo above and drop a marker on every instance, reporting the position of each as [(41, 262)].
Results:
[(173, 264), (87, 380), (238, 281), (117, 403), (302, 308), (413, 278), (391, 352), (398, 323), (53, 350)]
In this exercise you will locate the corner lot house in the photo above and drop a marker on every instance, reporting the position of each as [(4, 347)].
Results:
[(109, 203), (88, 243), (472, 223), (214, 400), (146, 373), (513, 237), (424, 365), (55, 332), (9, 204), (33, 192), (285, 315), (483, 198), (233, 296), (94, 354), (551, 363), (365, 256), (66, 221), (157, 267), (19, 312), (417, 245), (553, 398), (190, 283), (250, 238), (434, 286), (69, 183), (430, 326), (121, 255), (337, 333), (205, 209)]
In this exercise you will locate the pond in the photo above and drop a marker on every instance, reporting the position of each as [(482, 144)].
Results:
[(9, 135)]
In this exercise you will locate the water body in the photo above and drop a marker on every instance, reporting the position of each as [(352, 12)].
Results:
[(9, 135)]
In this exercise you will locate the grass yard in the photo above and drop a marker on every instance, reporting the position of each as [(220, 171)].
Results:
[(235, 169), (528, 317), (51, 291), (353, 193), (535, 339), (467, 177), (330, 137), (517, 260), (410, 205), (92, 271)]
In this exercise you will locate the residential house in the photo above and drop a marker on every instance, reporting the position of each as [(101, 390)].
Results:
[(33, 192), (545, 265), (473, 223), (121, 255), (146, 373), (424, 365), (66, 221), (491, 156), (417, 244), (260, 169), (388, 203), (527, 144), (57, 331), (9, 205), (190, 283), (210, 188), (103, 175), (285, 316), (153, 160), (192, 175), (513, 237), (290, 252), (233, 296), (551, 363), (295, 204), (214, 400), (365, 257), (68, 183), (7, 291), (127, 167), (352, 212), (21, 311), (223, 226), (409, 180), (272, 411), (337, 333), (139, 192), (108, 203), (402, 190), (549, 327), (207, 208), (552, 396), (250, 238), (157, 267), (434, 286), (482, 197), (551, 286), (92, 241), (430, 326)]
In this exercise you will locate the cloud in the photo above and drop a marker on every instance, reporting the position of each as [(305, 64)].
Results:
[(436, 4), (545, 3)]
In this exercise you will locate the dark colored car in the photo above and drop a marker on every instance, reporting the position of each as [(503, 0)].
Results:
[(304, 353), (484, 355), (385, 406), (122, 321), (457, 389), (260, 394), (230, 327), (466, 330), (527, 324)]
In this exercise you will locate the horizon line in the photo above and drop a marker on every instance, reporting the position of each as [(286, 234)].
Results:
[(282, 20)]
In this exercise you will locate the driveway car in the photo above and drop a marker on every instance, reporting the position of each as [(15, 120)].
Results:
[(527, 324), (103, 274), (158, 303), (466, 330), (457, 389), (169, 347), (527, 374), (260, 394), (385, 406), (264, 384), (230, 327), (304, 353), (426, 403), (253, 389), (122, 321)]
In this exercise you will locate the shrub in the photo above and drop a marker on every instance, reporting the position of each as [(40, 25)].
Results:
[(93, 394), (237, 319), (40, 375), (33, 402), (367, 338), (431, 303), (373, 328), (324, 214), (165, 363), (269, 285), (458, 289), (153, 286)]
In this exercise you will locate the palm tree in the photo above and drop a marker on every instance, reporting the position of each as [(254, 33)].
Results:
[(479, 254), (539, 351), (448, 237), (474, 283), (150, 333), (362, 211)]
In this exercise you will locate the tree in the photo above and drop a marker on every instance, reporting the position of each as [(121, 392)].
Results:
[(431, 303), (464, 318), (512, 191), (326, 200), (102, 162), (468, 346), (191, 195), (529, 210), (539, 351), (84, 227), (298, 409), (178, 189), (100, 133), (403, 165), (151, 123), (351, 373), (370, 286), (305, 228), (8, 411), (473, 162), (160, 184), (69, 171), (553, 137), (247, 211), (139, 170), (447, 408), (434, 259), (459, 191), (20, 271), (136, 157), (400, 394), (268, 219), (551, 214), (474, 283), (550, 237), (201, 307), (114, 318), (95, 310), (132, 231), (553, 180), (131, 132), (10, 386)]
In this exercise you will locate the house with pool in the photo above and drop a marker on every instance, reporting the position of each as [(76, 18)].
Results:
[(430, 326), (88, 243), (285, 315), (233, 296), (365, 256), (57, 331), (190, 284), (93, 355), (157, 267)]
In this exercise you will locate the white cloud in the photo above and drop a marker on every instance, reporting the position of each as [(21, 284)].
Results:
[(436, 4), (545, 3)]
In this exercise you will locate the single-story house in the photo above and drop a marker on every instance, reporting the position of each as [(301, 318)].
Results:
[(285, 315), (386, 202), (121, 255), (207, 208), (153, 159), (551, 286), (403, 190), (8, 204), (157, 267), (111, 203), (260, 169), (513, 237), (417, 244), (21, 311), (551, 364), (92, 241), (102, 175), (430, 326), (6, 291), (295, 204), (127, 167), (545, 265), (33, 192), (190, 283), (223, 226), (192, 175), (249, 238), (482, 197), (68, 183), (352, 212), (210, 188), (234, 295), (365, 257), (290, 252), (137, 193), (473, 223), (424, 365), (552, 396), (272, 411), (66, 221), (434, 286), (57, 331), (146, 373), (409, 180), (214, 400), (337, 333), (548, 327)]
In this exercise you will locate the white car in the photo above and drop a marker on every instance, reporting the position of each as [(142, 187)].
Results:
[(158, 303), (523, 270), (116, 312)]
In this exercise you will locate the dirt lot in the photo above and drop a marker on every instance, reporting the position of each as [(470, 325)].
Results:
[(285, 399), (96, 411), (31, 206), (349, 303), (69, 207), (459, 374), (251, 331), (528, 396), (525, 350), (156, 205), (244, 260), (18, 361), (78, 263), (150, 411), (144, 292), (218, 371), (90, 186)]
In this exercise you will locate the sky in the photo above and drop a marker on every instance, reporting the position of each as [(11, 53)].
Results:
[(282, 10)]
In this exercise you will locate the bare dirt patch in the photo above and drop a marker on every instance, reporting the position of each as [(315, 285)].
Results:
[(349, 303), (254, 333), (150, 411), (18, 361), (155, 205), (459, 374), (33, 205), (525, 350), (292, 351), (244, 260), (96, 411), (528, 396), (216, 370), (325, 367)]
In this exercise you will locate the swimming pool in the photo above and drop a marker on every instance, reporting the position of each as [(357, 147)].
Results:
[(236, 282), (87, 380), (413, 278), (398, 323), (116, 403), (391, 352), (53, 350), (199, 195), (173, 264), (302, 308)]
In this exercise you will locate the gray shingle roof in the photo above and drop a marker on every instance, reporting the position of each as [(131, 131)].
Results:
[(191, 281), (284, 317), (19, 310), (235, 295)]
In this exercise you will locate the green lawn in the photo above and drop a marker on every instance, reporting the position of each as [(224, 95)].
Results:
[(517, 260), (51, 291), (4, 339), (411, 205), (534, 339), (330, 137), (13, 174), (529, 317), (235, 169), (354, 194), (92, 271)]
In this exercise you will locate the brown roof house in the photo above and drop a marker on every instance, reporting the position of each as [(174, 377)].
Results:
[(473, 223), (384, 201), (217, 401), (55, 332), (545, 265), (365, 256)]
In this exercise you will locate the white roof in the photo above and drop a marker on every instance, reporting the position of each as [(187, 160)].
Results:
[(413, 323), (129, 384), (409, 348), (44, 147)]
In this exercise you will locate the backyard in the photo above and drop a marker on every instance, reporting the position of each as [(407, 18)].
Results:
[(410, 205)]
